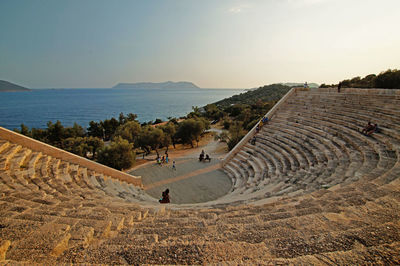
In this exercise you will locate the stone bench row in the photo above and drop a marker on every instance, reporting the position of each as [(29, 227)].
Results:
[(379, 117), (284, 161), (52, 174), (390, 114)]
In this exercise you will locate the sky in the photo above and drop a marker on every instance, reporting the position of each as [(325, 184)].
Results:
[(212, 43)]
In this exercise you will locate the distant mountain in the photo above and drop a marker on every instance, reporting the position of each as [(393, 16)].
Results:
[(8, 86), (160, 85)]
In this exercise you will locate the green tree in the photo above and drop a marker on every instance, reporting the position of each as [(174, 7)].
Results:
[(122, 119), (390, 79), (74, 131), (83, 146), (109, 126), (39, 134), (119, 154), (129, 131), (213, 112), (236, 133), (169, 130), (94, 144), (195, 112), (77, 146), (95, 129), (233, 136), (55, 133), (24, 130), (190, 130), (150, 138), (157, 121)]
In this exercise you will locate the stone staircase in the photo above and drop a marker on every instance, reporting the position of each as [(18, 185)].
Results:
[(312, 190)]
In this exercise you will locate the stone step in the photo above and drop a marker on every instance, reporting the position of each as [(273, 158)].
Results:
[(49, 241), (7, 154)]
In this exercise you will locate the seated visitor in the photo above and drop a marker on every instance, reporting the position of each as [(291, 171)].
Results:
[(367, 128), (253, 141), (207, 158), (265, 120), (201, 157), (372, 130), (165, 197)]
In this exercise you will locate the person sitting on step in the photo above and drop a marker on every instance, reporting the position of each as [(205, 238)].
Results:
[(165, 197), (373, 129), (367, 128), (207, 158)]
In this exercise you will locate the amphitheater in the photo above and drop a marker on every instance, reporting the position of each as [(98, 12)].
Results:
[(311, 190)]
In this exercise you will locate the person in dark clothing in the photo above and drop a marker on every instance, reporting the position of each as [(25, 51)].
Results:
[(367, 128), (165, 197), (339, 87), (373, 129)]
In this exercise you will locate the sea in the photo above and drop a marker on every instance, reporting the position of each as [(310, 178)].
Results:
[(36, 107)]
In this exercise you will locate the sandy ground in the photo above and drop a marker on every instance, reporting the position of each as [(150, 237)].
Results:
[(192, 181)]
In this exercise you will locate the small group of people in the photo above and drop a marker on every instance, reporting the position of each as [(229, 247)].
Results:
[(369, 129), (163, 159), (263, 121), (204, 157)]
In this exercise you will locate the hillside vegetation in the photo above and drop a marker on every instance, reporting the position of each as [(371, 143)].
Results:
[(265, 93), (389, 79), (239, 113)]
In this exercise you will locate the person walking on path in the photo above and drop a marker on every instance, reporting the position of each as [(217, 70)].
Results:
[(173, 166)]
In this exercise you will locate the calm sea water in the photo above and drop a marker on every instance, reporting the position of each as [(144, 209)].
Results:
[(35, 108)]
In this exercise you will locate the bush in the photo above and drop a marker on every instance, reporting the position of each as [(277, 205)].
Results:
[(226, 124), (118, 155)]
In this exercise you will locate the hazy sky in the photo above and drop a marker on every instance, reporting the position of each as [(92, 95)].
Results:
[(213, 43)]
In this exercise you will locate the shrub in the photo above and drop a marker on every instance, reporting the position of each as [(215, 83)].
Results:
[(119, 154)]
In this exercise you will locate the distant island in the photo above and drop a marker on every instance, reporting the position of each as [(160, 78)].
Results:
[(10, 87), (160, 85)]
